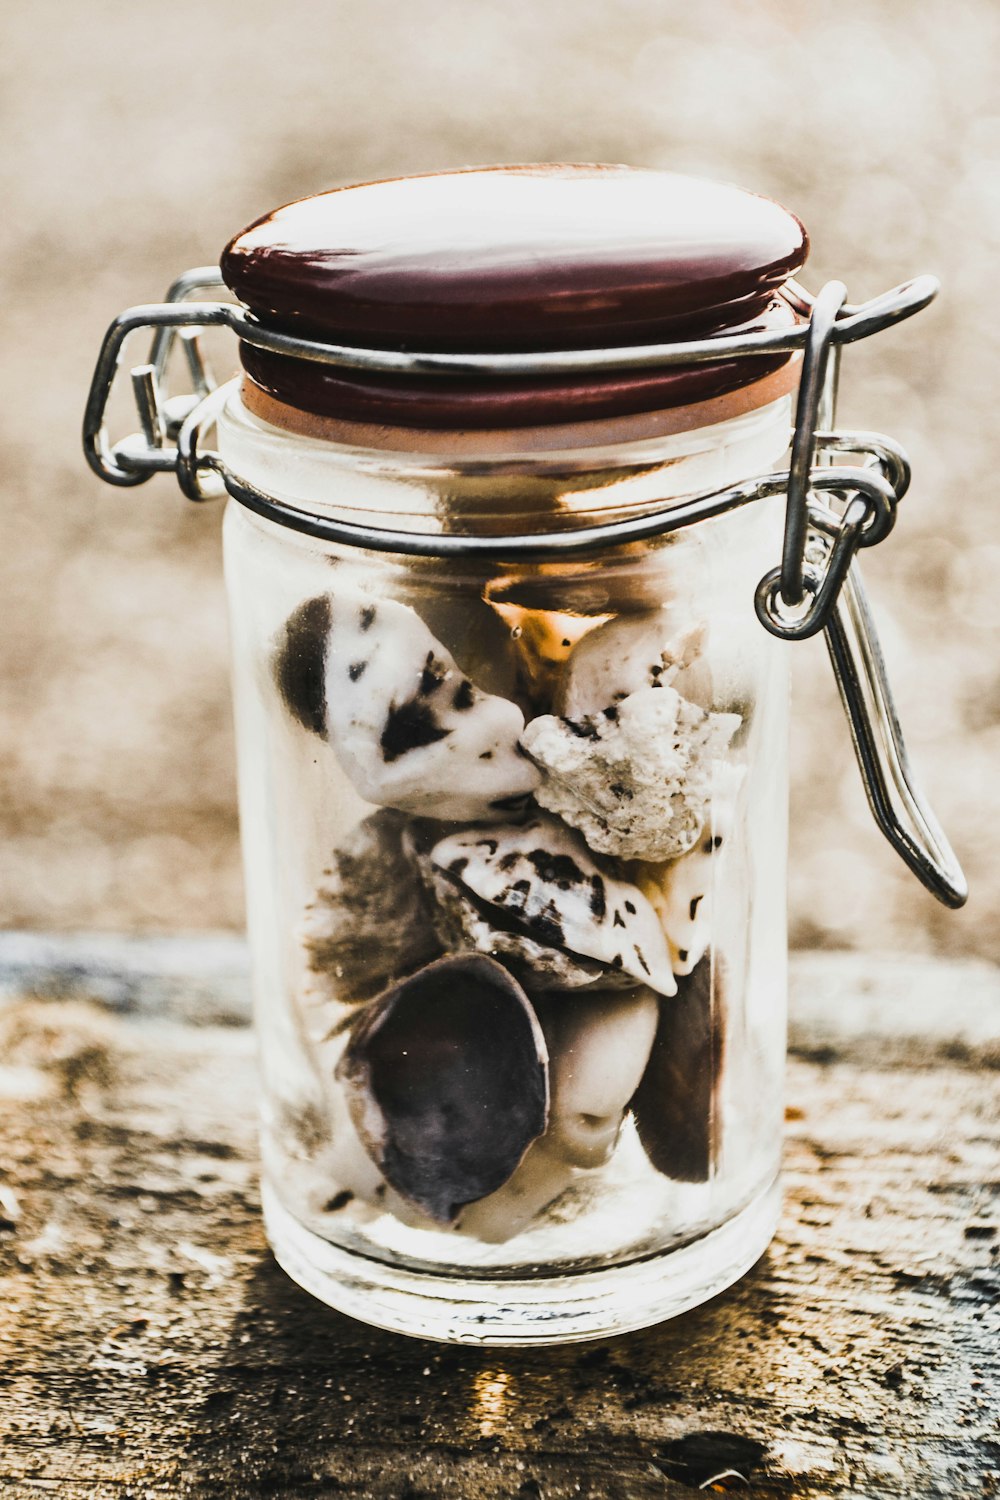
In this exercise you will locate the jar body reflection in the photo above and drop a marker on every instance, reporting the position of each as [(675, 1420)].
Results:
[(514, 838)]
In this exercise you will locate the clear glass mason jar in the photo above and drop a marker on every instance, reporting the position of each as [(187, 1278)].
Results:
[(520, 982), (511, 705)]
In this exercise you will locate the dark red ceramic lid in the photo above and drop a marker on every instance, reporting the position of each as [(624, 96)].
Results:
[(514, 258)]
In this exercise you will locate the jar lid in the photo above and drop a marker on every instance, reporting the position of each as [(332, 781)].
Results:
[(514, 259)]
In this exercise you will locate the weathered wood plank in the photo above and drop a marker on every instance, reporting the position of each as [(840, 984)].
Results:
[(149, 1345)]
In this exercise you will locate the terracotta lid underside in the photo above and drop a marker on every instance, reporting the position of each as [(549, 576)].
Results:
[(514, 259)]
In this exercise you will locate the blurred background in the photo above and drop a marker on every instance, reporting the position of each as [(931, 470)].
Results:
[(140, 137)]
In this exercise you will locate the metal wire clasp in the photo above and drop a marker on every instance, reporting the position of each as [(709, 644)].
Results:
[(832, 509)]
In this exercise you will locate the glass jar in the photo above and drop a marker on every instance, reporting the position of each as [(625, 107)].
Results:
[(521, 1015), (511, 738)]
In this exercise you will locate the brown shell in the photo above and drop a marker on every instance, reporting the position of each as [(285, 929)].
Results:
[(368, 923), (676, 1104), (446, 1077)]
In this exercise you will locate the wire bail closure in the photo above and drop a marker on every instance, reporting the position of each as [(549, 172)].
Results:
[(831, 509)]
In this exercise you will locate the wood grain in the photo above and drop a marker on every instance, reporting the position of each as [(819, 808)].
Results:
[(150, 1347)]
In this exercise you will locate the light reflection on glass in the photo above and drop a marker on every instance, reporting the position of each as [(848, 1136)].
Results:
[(490, 1396)]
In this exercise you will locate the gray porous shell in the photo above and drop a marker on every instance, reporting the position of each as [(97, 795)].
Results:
[(676, 1106), (446, 1079), (636, 778)]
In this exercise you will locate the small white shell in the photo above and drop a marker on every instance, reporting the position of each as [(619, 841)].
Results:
[(535, 895), (598, 1049), (681, 890), (622, 656), (635, 778), (410, 730), (538, 1181)]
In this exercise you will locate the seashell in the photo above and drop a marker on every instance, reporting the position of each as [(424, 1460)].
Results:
[(410, 730), (624, 655), (634, 779), (681, 890), (544, 639), (446, 1079), (598, 1047), (540, 1179), (535, 896), (344, 1168), (463, 926), (299, 663), (368, 923), (676, 1104), (459, 617)]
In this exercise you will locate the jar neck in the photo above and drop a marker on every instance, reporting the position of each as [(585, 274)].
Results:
[(548, 438), (497, 489)]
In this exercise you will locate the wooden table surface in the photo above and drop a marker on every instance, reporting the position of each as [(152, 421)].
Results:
[(149, 1345)]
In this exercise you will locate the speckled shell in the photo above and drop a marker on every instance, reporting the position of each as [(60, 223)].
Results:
[(535, 895), (411, 731), (623, 655)]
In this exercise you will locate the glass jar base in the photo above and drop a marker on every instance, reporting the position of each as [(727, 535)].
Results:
[(531, 1310)]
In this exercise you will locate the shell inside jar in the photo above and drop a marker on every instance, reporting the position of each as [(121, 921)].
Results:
[(510, 960)]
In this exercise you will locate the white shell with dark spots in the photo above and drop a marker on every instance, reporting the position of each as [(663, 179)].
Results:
[(535, 895), (411, 731), (622, 656), (681, 891)]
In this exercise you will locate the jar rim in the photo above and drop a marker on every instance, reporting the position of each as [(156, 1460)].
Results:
[(560, 442), (323, 488)]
